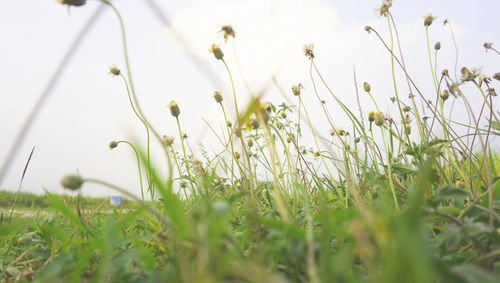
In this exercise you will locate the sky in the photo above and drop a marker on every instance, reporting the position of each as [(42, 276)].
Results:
[(88, 108)]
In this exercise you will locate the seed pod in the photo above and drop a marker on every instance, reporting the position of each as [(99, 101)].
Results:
[(112, 144), (218, 97), (114, 70), (215, 49), (379, 119), (174, 108), (72, 182), (367, 87)]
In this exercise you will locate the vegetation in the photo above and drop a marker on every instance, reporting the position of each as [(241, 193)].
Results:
[(384, 200)]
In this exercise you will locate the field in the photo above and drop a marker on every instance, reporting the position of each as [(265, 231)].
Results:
[(400, 203)]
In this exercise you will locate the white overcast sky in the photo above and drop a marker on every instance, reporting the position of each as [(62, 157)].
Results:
[(89, 108)]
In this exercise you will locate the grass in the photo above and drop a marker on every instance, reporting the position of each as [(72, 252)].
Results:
[(369, 203)]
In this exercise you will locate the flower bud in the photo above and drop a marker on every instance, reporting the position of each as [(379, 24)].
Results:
[(379, 119), (467, 75), (288, 139), (437, 46), (237, 155), (371, 116), (237, 132), (114, 70), (316, 154), (72, 182), (250, 142), (367, 87), (428, 20), (283, 114), (174, 108), (218, 97), (406, 109), (215, 49), (444, 95), (112, 144), (296, 89), (407, 129), (73, 2), (357, 140)]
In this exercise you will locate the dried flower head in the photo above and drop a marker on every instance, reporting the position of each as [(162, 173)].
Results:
[(228, 31), (174, 109), (296, 89), (371, 116), (407, 129), (288, 139), (428, 20), (72, 182), (368, 29), (308, 51), (218, 97), (279, 125), (379, 119), (488, 45), (250, 142), (237, 132), (112, 145), (367, 87), (168, 141), (392, 99), (73, 2), (229, 124), (491, 91), (237, 155), (437, 46), (454, 89), (406, 108), (384, 8), (467, 75), (496, 76), (445, 73), (114, 70), (215, 49)]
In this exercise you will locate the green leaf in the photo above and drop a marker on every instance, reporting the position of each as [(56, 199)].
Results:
[(60, 205)]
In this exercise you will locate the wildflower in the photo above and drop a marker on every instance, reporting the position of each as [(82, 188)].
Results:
[(371, 116), (308, 51), (114, 70), (491, 91), (112, 145), (407, 129), (278, 124), (379, 118), (428, 20), (367, 87), (250, 142), (73, 2), (72, 182), (487, 45), (283, 114), (174, 109), (467, 75), (228, 31), (497, 76), (384, 9), (252, 124), (217, 97), (406, 109), (296, 89), (168, 141), (368, 29), (316, 154), (215, 49), (237, 155), (437, 46), (444, 95)]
